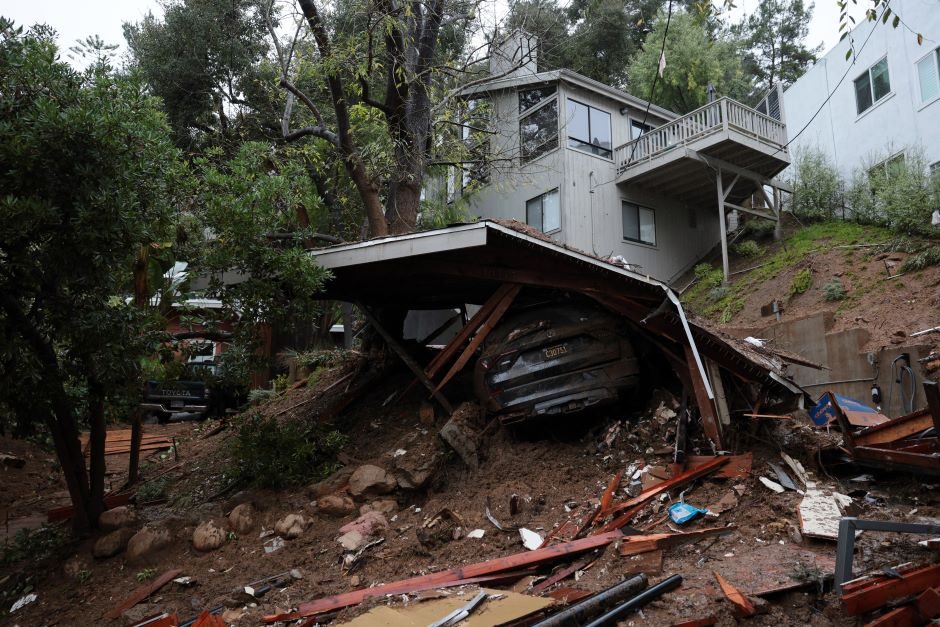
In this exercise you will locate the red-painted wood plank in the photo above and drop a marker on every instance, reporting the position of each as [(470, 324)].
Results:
[(142, 593), (878, 595)]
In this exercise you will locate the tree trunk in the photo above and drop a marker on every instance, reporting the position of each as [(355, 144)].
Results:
[(96, 444)]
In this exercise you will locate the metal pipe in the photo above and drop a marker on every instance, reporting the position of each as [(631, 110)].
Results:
[(578, 613), (637, 602)]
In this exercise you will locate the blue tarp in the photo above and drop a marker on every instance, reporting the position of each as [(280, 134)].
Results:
[(823, 412)]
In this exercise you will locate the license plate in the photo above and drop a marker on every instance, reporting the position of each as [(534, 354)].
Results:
[(176, 403), (555, 351)]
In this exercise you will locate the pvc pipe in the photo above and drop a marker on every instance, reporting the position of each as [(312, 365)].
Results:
[(578, 613), (638, 601)]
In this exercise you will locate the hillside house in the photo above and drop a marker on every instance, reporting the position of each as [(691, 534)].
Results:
[(605, 172), (885, 97)]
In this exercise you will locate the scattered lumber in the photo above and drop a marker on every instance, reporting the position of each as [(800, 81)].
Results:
[(743, 607), (903, 616), (110, 502), (879, 591), (472, 573), (142, 593), (632, 545)]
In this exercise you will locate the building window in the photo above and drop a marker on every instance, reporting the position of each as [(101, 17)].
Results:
[(544, 212), (872, 86), (638, 129), (928, 71), (639, 223), (589, 129), (528, 98), (538, 131)]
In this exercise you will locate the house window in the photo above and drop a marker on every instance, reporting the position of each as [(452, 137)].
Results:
[(544, 212), (589, 129), (888, 167), (638, 129), (528, 98), (928, 71), (538, 131), (639, 223), (872, 86)]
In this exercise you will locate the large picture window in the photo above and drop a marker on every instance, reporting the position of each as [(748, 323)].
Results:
[(544, 212), (538, 131), (639, 223), (872, 86), (528, 98), (928, 73), (589, 129)]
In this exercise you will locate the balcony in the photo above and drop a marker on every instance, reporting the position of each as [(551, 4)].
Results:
[(680, 158)]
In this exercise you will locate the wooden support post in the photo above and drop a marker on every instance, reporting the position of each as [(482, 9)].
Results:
[(399, 350), (721, 402), (706, 406), (478, 319), (723, 225), (485, 329), (778, 228), (932, 392)]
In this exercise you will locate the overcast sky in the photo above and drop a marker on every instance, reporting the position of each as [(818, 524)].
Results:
[(77, 20)]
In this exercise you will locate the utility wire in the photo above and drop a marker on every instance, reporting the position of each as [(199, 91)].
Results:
[(649, 101)]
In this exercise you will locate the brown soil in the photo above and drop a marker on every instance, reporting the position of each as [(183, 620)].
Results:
[(548, 470)]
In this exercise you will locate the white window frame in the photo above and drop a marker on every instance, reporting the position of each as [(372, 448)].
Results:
[(933, 55), (541, 198), (588, 147), (639, 207), (871, 86)]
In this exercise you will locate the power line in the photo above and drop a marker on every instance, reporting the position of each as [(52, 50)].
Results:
[(649, 101)]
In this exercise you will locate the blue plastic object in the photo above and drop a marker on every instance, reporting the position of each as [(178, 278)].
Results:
[(682, 512)]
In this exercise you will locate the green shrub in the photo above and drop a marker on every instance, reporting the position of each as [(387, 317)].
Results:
[(748, 248), (259, 395), (716, 294), (276, 454), (817, 188), (709, 277), (34, 545), (152, 490), (758, 229), (923, 259), (311, 360), (281, 382), (146, 574), (899, 194), (801, 282), (834, 290)]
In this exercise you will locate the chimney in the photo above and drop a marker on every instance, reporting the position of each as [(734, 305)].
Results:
[(516, 54)]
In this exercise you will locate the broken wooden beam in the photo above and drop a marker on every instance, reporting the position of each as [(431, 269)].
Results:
[(465, 574), (706, 406), (904, 616), (743, 607), (142, 592), (632, 545), (878, 594)]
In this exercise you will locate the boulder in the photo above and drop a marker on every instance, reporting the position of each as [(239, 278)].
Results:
[(334, 483), (414, 473), (208, 536), (351, 541), (146, 542), (291, 526), (338, 505), (242, 518), (112, 543), (369, 480), (386, 507), (368, 524), (463, 438), (117, 517)]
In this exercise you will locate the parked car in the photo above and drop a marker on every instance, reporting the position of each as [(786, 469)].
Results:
[(200, 391), (555, 359)]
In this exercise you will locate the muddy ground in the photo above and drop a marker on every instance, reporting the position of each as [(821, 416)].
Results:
[(552, 469)]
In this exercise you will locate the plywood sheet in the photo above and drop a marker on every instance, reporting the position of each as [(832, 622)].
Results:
[(819, 516)]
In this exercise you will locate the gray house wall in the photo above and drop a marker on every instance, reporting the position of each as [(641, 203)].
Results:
[(590, 200), (899, 122)]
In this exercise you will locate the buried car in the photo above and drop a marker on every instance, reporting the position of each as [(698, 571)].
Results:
[(555, 359)]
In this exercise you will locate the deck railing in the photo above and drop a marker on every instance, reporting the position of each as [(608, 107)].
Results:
[(720, 115)]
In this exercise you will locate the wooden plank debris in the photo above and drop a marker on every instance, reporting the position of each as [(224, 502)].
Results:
[(879, 592), (633, 545), (819, 515), (928, 604), (648, 563), (448, 577), (706, 406), (686, 477), (564, 573), (738, 466), (142, 592), (903, 616), (743, 607)]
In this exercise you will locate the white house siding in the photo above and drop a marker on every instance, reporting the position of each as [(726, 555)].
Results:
[(898, 122), (591, 222)]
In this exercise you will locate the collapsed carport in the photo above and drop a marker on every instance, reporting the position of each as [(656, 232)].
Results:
[(485, 263)]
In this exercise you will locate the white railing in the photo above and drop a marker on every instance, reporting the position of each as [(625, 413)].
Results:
[(723, 114)]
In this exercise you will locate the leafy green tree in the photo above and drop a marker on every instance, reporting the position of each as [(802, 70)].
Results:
[(694, 59), (88, 175), (775, 36), (547, 21)]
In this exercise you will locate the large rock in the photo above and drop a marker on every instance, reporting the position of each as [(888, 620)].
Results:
[(369, 524), (352, 541), (386, 507), (291, 526), (242, 518), (116, 518), (338, 505), (146, 542), (113, 543), (369, 480), (334, 483), (208, 536), (463, 437)]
